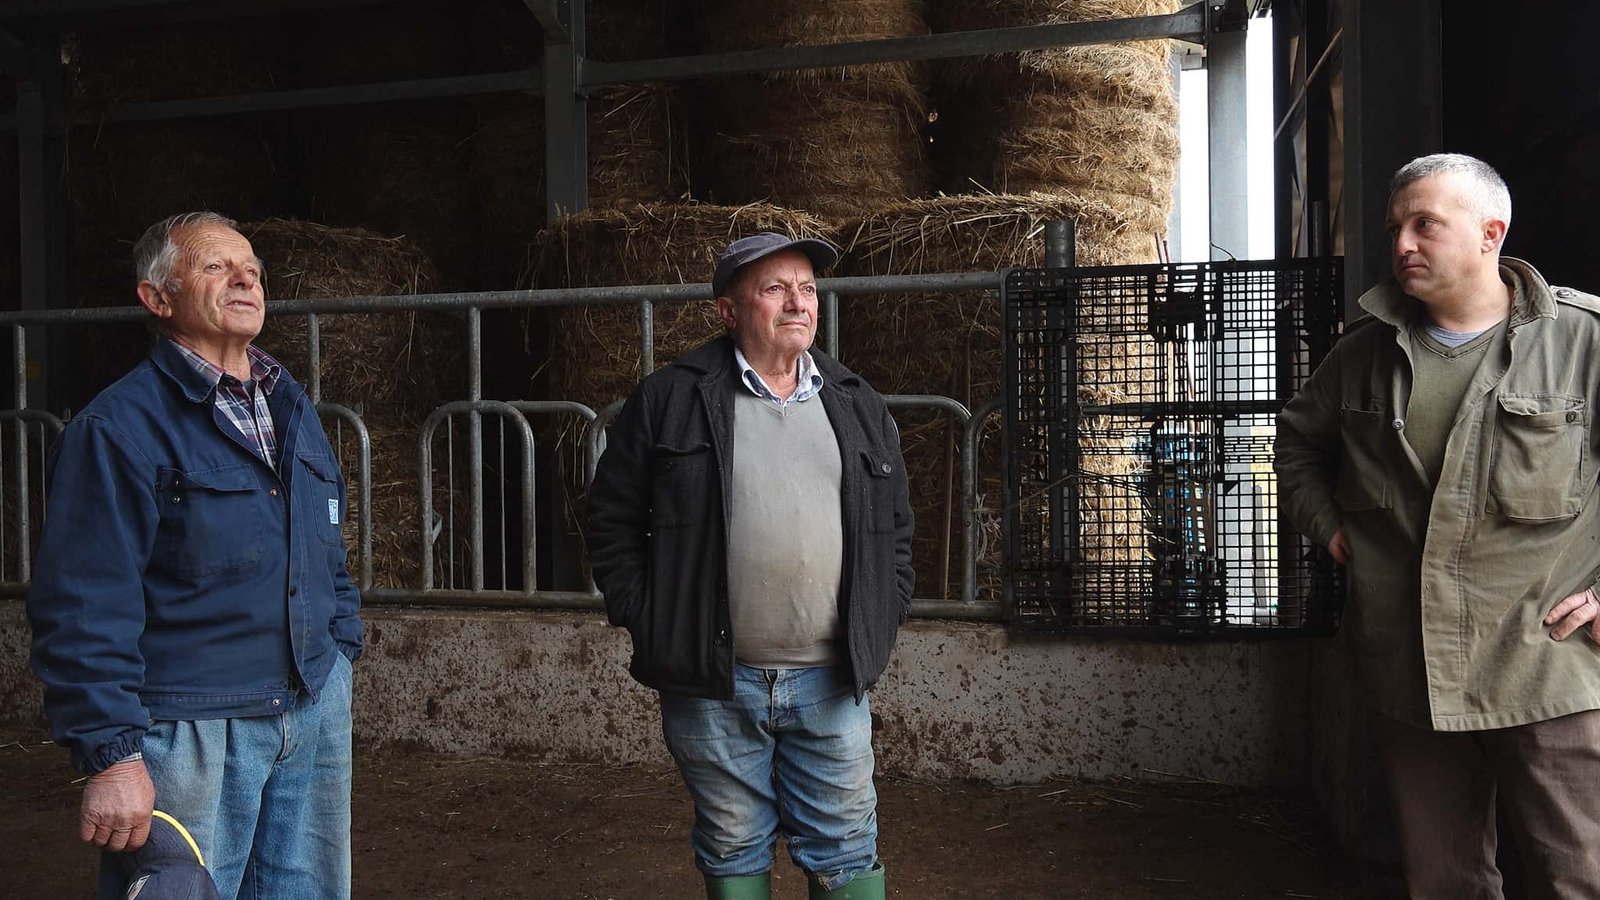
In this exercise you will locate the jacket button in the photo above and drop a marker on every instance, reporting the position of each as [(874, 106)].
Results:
[(294, 589), (722, 638), (885, 468), (1572, 417), (276, 702), (273, 491), (1563, 292), (1398, 424)]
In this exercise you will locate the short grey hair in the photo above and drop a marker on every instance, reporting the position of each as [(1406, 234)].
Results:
[(1487, 195), (156, 253)]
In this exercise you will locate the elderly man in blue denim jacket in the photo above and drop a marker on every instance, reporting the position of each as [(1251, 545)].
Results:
[(194, 621)]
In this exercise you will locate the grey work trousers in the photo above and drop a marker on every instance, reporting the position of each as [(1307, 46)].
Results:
[(1444, 787)]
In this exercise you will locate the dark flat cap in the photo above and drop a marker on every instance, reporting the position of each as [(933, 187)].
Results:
[(747, 250)]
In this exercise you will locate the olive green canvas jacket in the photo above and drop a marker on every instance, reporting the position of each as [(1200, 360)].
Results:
[(1449, 586)]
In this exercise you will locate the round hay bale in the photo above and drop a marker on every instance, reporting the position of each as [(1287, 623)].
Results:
[(825, 140), (973, 15), (399, 364), (638, 147), (1098, 122), (828, 149), (950, 344), (594, 354)]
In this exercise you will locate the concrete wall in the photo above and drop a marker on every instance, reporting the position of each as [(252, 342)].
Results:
[(959, 700)]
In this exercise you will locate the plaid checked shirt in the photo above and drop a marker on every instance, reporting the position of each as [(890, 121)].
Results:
[(243, 404)]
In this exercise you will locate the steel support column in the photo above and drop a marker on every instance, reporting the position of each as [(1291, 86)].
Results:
[(566, 114), (1228, 161)]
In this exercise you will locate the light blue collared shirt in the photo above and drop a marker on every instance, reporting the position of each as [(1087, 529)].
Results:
[(807, 387)]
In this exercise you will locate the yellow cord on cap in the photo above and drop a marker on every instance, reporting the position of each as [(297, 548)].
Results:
[(183, 831)]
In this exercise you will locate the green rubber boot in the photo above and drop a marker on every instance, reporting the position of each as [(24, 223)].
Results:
[(740, 887), (866, 886)]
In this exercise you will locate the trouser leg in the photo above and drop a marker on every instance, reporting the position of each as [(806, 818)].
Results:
[(1549, 775), (1443, 795)]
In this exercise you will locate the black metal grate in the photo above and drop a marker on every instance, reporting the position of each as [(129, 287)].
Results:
[(1140, 415)]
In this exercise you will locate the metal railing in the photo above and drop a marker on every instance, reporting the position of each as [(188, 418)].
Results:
[(19, 520)]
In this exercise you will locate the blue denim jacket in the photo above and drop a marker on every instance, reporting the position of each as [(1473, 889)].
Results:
[(178, 576)]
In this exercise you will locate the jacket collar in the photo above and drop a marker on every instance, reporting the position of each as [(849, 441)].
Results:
[(196, 387), (167, 358), (1531, 297), (715, 360)]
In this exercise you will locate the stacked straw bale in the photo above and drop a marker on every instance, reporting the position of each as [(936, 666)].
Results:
[(950, 344), (595, 350), (833, 141), (594, 357), (638, 145), (1099, 122), (392, 368)]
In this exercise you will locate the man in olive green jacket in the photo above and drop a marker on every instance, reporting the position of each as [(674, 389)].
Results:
[(1446, 453)]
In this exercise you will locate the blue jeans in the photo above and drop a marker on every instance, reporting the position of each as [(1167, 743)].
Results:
[(267, 799), (790, 753)]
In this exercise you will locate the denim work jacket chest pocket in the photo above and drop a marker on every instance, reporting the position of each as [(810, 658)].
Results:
[(1539, 464), (210, 520)]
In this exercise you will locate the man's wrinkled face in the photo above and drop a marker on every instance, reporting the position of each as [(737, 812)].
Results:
[(215, 293), (771, 306), (1439, 244)]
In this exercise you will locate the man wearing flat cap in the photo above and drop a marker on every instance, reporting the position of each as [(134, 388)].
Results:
[(750, 526)]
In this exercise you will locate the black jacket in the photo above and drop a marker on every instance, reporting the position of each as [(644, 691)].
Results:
[(658, 522)]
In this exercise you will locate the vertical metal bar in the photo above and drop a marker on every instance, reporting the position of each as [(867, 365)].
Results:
[(450, 492), (475, 445), (20, 364), (314, 357), (969, 497), (530, 535), (364, 489), (566, 112), (1228, 162), (830, 323), (500, 437), (1060, 244), (425, 487), (647, 339)]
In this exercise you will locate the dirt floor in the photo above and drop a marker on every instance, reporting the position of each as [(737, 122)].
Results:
[(448, 827)]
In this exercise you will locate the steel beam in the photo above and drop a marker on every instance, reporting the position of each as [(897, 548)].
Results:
[(527, 80), (1187, 24)]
